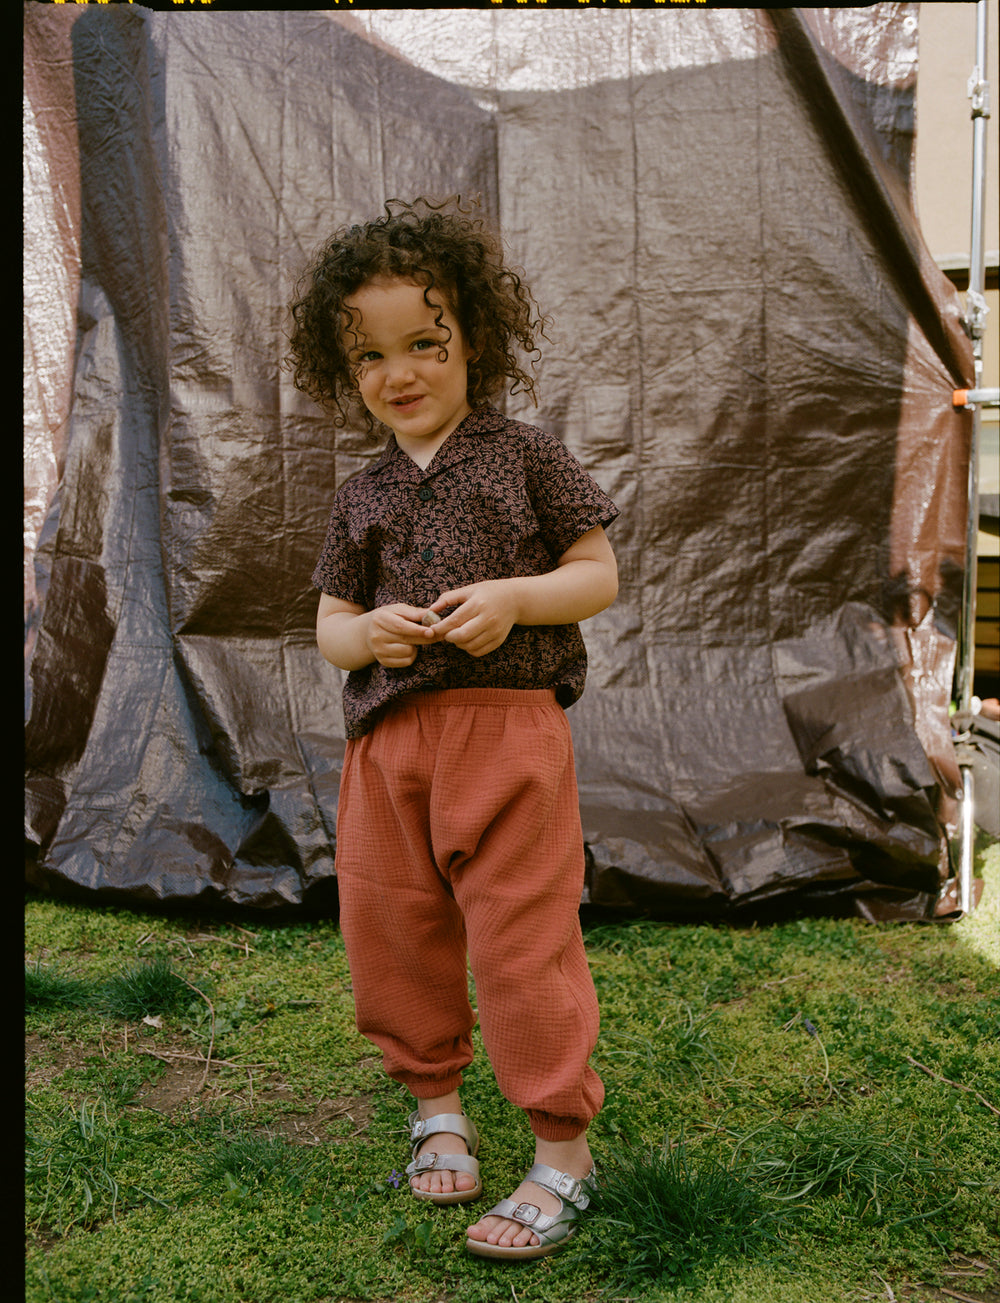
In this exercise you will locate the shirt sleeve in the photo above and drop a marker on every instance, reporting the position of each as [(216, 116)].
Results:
[(341, 571), (567, 500)]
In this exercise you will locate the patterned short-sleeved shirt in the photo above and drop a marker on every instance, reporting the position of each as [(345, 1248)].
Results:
[(500, 499)]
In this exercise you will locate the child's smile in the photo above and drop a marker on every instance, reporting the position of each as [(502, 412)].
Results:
[(411, 362)]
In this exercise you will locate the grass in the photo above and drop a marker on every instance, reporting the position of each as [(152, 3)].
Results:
[(136, 991), (70, 1159), (665, 1215), (240, 1161), (144, 990), (44, 988), (797, 1113)]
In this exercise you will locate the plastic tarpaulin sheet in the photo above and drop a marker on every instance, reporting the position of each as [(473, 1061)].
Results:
[(753, 353)]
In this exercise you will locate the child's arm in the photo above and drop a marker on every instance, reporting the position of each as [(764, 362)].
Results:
[(584, 582), (351, 637)]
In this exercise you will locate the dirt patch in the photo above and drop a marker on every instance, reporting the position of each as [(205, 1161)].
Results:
[(47, 1057), (183, 1084), (312, 1128), (180, 1082), (186, 1086)]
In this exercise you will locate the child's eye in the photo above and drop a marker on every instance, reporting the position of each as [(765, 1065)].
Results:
[(423, 344), (370, 356)]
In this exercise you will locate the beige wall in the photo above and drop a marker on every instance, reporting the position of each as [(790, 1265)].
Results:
[(944, 175), (944, 128)]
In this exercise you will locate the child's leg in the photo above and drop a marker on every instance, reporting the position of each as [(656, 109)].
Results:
[(403, 932), (517, 871), (506, 807), (472, 795)]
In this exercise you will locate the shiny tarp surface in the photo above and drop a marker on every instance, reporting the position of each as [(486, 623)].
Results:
[(752, 352)]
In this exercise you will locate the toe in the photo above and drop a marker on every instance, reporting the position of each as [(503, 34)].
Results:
[(443, 1180), (501, 1231), (517, 1236)]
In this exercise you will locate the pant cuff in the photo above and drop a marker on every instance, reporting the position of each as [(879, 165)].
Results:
[(421, 1088), (547, 1126)]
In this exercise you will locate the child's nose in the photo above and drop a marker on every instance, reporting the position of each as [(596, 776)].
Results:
[(400, 371)]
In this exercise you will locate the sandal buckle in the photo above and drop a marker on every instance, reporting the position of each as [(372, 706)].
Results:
[(526, 1213), (424, 1161), (568, 1187), (418, 1129)]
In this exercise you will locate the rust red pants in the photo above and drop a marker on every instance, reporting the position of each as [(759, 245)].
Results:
[(459, 842)]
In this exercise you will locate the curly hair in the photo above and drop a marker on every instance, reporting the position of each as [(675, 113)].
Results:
[(437, 245)]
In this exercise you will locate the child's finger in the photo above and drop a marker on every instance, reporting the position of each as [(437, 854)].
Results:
[(455, 609), (409, 615), (401, 623), (397, 656), (455, 597)]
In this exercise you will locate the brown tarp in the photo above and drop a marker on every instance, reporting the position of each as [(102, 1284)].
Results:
[(753, 353)]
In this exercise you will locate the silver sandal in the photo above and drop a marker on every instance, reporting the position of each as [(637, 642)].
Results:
[(552, 1231), (457, 1124)]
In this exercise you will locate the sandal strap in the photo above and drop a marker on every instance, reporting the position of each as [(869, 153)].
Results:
[(454, 1123), (444, 1163), (531, 1216), (575, 1190), (572, 1192)]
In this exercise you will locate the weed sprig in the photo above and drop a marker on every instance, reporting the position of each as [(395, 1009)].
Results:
[(70, 1162)]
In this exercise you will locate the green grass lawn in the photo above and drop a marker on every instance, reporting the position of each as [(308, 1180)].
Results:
[(800, 1113)]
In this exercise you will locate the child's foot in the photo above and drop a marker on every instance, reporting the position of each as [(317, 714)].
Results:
[(571, 1156), (442, 1181)]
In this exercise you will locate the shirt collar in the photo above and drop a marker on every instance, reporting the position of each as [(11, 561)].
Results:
[(481, 421)]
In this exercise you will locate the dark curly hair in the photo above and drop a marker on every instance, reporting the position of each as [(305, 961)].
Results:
[(437, 245)]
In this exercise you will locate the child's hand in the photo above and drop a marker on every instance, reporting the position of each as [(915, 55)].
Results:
[(486, 612), (395, 633), (584, 582)]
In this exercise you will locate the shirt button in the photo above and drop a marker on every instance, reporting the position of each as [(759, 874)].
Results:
[(427, 554), (425, 493)]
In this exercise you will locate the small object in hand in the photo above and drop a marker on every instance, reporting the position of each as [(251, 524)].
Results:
[(429, 618)]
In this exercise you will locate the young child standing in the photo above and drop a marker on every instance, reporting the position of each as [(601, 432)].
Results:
[(453, 577)]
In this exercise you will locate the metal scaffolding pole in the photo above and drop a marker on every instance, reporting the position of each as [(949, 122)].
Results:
[(975, 324)]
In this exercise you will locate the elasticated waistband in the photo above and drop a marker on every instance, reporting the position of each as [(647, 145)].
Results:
[(506, 697)]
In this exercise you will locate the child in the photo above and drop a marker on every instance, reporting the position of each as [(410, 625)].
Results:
[(454, 573)]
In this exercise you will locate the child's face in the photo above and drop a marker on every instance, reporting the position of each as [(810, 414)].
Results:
[(396, 347)]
